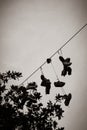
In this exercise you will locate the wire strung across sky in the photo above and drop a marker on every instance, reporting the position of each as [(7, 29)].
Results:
[(54, 53)]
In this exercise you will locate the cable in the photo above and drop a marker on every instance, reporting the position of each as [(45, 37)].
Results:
[(70, 39), (55, 53)]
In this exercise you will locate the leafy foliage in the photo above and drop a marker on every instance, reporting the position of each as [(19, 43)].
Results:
[(21, 109)]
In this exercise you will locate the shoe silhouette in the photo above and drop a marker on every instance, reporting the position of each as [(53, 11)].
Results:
[(47, 89), (59, 84), (66, 66), (46, 83), (67, 99), (48, 60)]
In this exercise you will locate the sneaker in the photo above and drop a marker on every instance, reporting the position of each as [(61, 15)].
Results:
[(48, 60), (61, 59), (43, 83), (64, 72), (48, 89), (69, 71), (67, 99), (42, 77), (59, 84)]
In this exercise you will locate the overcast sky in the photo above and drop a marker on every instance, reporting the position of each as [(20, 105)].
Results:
[(31, 31)]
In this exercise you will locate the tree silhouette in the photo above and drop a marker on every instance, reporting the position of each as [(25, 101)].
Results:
[(15, 99)]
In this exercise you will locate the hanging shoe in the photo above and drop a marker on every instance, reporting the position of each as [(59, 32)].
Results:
[(48, 60), (47, 90), (42, 77), (43, 83), (67, 99), (64, 72), (69, 71), (48, 86), (61, 59), (59, 84), (46, 83), (67, 62)]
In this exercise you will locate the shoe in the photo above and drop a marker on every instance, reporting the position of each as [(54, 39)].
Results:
[(42, 77), (69, 71), (47, 89), (48, 60), (59, 84), (64, 72), (61, 59), (67, 99), (43, 83)]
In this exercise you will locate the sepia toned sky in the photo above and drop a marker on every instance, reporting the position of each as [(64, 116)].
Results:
[(31, 31)]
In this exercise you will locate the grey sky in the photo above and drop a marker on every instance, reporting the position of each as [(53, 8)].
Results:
[(31, 31)]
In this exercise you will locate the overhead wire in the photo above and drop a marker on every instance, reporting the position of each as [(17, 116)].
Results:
[(54, 53), (69, 39)]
